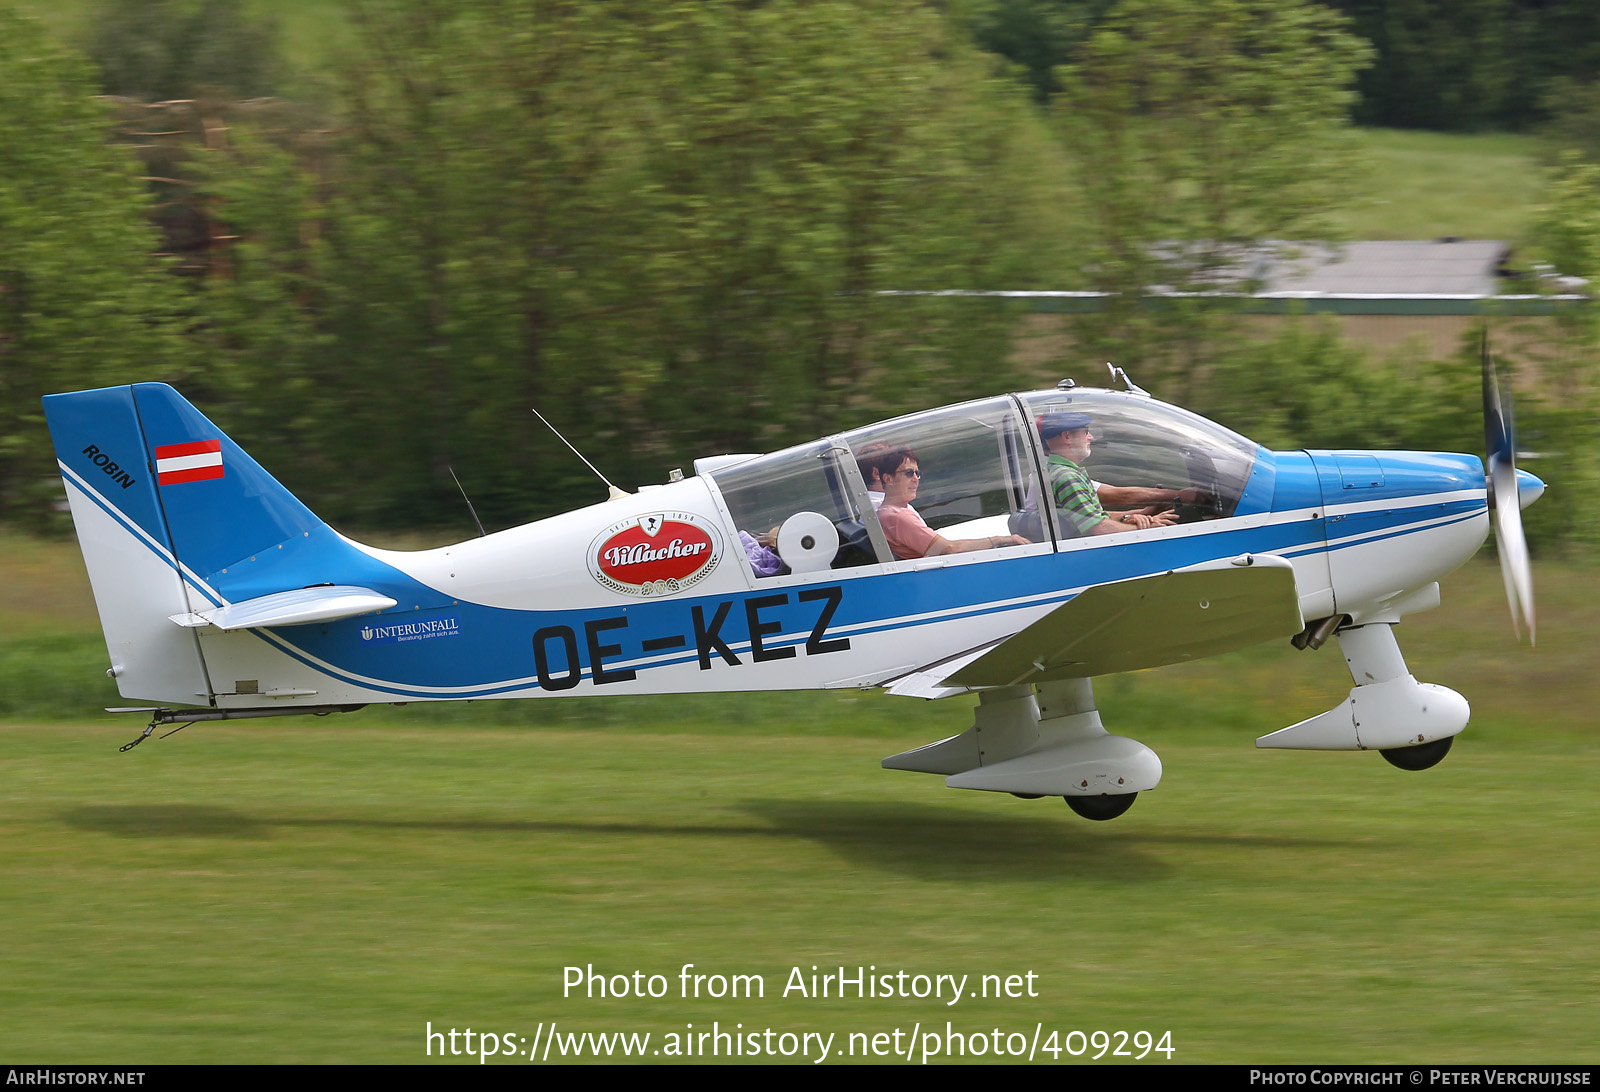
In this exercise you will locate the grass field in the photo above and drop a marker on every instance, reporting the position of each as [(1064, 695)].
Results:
[(322, 890), (1429, 185)]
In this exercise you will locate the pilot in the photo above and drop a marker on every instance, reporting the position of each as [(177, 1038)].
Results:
[(1078, 500), (908, 535)]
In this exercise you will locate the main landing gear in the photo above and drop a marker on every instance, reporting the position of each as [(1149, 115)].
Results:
[(1049, 743)]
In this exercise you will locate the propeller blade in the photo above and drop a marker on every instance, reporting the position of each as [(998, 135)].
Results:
[(1499, 434)]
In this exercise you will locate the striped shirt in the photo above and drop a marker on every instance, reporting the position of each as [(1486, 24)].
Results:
[(1078, 508)]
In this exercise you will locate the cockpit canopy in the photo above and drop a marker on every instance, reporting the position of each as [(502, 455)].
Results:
[(982, 467)]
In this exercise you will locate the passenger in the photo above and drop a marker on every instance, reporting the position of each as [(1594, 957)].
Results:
[(764, 560), (1078, 501), (873, 459), (908, 535)]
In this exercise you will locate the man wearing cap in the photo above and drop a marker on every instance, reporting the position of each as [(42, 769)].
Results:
[(1067, 437)]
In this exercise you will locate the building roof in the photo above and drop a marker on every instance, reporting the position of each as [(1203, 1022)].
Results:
[(1445, 267), (1379, 277)]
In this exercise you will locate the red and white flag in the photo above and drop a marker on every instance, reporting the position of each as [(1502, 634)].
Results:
[(196, 462)]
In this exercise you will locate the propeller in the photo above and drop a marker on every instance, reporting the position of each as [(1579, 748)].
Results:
[(1499, 435)]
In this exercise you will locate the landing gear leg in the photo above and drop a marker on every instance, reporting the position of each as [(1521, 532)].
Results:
[(1045, 743)]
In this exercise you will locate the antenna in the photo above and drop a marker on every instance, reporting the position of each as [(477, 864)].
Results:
[(481, 532), (1120, 376), (615, 492)]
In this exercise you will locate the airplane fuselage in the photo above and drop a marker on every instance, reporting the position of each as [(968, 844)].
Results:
[(520, 614)]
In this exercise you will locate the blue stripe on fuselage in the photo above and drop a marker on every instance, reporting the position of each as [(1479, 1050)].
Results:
[(494, 651)]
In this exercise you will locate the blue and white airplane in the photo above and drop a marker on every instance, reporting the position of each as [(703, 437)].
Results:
[(925, 555)]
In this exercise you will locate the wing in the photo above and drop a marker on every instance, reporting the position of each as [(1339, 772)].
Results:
[(1151, 621), (928, 681)]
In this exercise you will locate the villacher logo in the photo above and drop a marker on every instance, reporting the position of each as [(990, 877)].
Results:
[(656, 554)]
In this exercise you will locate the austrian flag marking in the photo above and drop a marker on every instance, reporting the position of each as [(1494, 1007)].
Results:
[(193, 462)]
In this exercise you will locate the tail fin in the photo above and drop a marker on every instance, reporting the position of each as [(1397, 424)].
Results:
[(174, 518)]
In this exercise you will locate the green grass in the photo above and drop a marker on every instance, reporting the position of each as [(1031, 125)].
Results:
[(306, 894), (1429, 185), (319, 890)]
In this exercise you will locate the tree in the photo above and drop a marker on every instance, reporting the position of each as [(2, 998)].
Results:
[(667, 225), (1199, 129), (1563, 425), (153, 50), (1471, 64), (1038, 36), (1439, 65), (83, 303)]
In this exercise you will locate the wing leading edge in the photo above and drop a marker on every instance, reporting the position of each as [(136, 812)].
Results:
[(1150, 621)]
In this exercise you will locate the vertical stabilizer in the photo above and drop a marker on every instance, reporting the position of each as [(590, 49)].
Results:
[(127, 548), (175, 518)]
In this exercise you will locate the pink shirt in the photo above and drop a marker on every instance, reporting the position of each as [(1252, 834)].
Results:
[(908, 535)]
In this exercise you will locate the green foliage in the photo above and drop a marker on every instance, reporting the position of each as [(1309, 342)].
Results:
[(1470, 64), (1038, 36), (1307, 387), (1440, 65), (1197, 129), (1574, 121), (82, 304), (665, 225), (155, 50), (1564, 427)]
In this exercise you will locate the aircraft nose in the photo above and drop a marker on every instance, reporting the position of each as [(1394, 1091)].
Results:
[(1529, 489)]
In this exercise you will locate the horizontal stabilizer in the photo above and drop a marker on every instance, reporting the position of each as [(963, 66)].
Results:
[(290, 608), (1148, 622)]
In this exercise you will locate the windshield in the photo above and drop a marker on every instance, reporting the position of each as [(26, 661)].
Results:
[(1141, 444)]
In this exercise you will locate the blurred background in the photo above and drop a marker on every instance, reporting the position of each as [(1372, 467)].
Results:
[(367, 237)]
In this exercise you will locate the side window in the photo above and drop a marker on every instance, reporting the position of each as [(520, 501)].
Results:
[(795, 512), (948, 481)]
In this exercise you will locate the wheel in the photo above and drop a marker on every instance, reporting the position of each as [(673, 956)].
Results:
[(1420, 757), (1101, 808), (1027, 795)]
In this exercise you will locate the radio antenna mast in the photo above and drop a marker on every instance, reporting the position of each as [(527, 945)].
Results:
[(481, 532), (615, 492)]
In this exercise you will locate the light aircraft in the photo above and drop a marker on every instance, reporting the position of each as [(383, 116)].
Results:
[(222, 596)]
